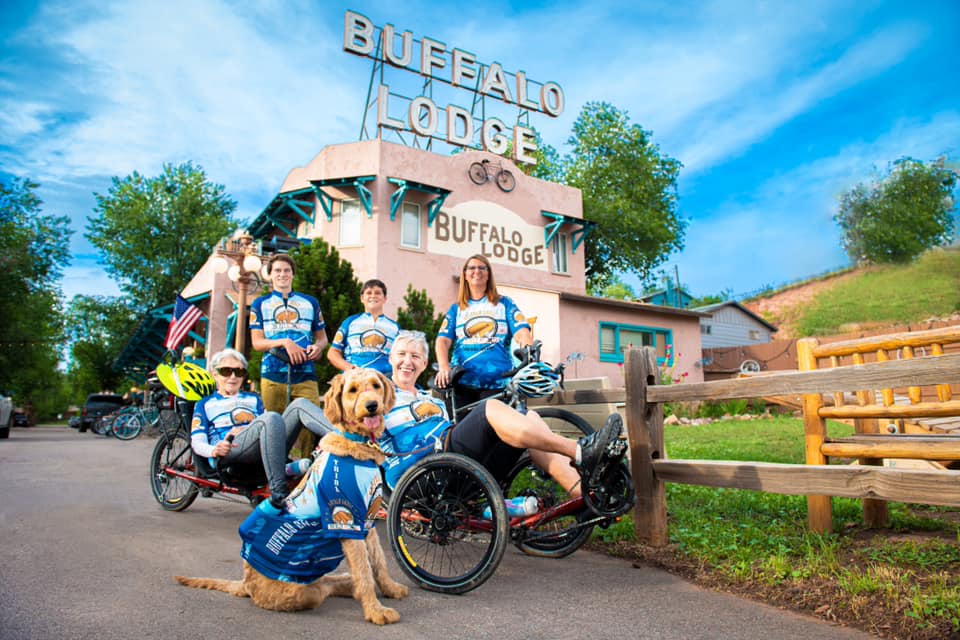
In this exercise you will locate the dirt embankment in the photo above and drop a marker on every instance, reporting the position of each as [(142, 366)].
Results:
[(785, 307)]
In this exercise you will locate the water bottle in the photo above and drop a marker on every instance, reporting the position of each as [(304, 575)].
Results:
[(519, 506), (298, 467)]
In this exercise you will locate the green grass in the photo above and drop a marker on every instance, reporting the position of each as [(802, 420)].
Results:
[(760, 539), (889, 294)]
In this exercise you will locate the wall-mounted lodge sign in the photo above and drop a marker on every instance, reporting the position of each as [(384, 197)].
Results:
[(459, 69), (465, 230)]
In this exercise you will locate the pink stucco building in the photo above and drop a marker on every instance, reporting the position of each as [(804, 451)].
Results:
[(409, 216)]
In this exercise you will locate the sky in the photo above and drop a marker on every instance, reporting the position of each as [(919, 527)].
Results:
[(775, 108)]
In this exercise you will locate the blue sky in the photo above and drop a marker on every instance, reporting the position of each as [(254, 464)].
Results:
[(774, 108)]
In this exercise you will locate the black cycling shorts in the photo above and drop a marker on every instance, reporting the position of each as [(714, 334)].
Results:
[(475, 438)]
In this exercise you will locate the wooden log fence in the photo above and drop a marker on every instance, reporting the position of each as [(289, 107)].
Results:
[(817, 479)]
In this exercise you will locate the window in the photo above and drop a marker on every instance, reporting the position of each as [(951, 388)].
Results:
[(616, 338), (351, 223), (754, 334), (706, 329), (410, 226), (559, 248)]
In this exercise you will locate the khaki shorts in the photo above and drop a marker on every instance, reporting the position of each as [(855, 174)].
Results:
[(274, 394)]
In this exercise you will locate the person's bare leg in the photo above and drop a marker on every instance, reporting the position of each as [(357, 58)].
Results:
[(527, 432), (558, 467)]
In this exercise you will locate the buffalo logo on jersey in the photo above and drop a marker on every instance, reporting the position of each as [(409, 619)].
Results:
[(444, 325), (480, 327), (342, 516), (337, 339), (372, 338), (518, 317), (423, 409), (241, 415), (195, 424), (286, 315)]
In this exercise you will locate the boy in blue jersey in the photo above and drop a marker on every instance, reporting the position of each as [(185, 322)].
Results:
[(292, 321), (364, 339)]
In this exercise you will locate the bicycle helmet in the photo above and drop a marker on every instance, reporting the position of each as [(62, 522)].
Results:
[(186, 380), (536, 380)]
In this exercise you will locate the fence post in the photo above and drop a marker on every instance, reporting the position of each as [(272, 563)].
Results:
[(819, 511), (645, 433)]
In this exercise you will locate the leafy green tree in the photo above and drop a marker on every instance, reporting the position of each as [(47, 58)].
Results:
[(154, 234), (33, 252), (98, 328), (616, 289), (629, 189), (898, 217), (418, 313), (322, 273)]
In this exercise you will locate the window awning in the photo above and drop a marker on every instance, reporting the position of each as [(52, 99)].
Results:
[(275, 214), (396, 200), (577, 236), (357, 182)]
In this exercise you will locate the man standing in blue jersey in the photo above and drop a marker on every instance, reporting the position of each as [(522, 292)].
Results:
[(291, 321), (364, 339)]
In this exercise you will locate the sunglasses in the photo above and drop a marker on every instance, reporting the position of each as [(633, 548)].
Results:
[(476, 268), (226, 372)]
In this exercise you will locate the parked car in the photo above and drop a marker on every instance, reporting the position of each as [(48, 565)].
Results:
[(6, 416), (74, 422), (97, 406), (21, 419)]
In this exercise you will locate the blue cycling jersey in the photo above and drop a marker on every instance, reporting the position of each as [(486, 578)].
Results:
[(365, 341), (296, 316), (417, 422), (481, 336), (215, 415), (338, 498)]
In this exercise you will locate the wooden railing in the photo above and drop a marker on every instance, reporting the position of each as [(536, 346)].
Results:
[(651, 468)]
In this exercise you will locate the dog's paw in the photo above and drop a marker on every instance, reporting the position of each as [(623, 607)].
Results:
[(382, 615), (394, 590)]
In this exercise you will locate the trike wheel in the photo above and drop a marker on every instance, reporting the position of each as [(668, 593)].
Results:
[(562, 535), (437, 527), (172, 451)]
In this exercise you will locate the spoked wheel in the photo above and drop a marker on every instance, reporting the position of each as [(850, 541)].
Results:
[(173, 451), (127, 427), (478, 173), (562, 535), (438, 531), (506, 181), (103, 426)]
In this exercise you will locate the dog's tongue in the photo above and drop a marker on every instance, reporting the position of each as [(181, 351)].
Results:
[(371, 423)]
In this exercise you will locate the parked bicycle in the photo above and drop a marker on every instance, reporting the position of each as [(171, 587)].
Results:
[(130, 422), (482, 172)]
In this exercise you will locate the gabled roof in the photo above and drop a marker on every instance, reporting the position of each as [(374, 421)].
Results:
[(710, 308)]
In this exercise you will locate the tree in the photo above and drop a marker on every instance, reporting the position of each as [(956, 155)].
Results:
[(322, 273), (896, 218), (154, 234), (418, 313), (98, 328), (629, 189), (33, 253), (616, 289)]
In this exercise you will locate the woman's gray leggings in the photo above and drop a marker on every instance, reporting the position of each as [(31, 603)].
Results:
[(269, 437)]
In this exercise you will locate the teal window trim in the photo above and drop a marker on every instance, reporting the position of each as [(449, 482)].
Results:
[(577, 236), (657, 333), (433, 208), (357, 182)]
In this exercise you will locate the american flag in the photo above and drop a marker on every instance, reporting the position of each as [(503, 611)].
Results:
[(185, 315)]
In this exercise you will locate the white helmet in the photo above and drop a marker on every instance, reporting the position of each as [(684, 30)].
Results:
[(535, 380)]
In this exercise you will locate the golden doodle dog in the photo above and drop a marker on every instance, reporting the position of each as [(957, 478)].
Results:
[(328, 516)]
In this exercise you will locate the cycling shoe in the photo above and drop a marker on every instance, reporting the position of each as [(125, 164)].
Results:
[(599, 447)]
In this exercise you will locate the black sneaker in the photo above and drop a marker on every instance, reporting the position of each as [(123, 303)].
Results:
[(600, 445), (277, 502)]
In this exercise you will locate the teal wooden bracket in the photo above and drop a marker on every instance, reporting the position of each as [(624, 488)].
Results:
[(294, 205), (396, 199), (357, 182), (577, 236)]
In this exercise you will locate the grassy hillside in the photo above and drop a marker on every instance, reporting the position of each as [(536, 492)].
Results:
[(929, 287)]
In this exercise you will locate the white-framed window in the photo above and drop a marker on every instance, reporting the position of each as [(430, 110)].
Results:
[(410, 226), (351, 223), (559, 248)]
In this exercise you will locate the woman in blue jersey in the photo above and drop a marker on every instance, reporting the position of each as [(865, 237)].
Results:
[(259, 438), (479, 329), (493, 434)]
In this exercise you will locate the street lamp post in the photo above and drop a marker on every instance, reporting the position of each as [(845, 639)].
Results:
[(243, 253)]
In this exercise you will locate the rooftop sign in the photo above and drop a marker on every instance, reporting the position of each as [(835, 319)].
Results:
[(459, 69)]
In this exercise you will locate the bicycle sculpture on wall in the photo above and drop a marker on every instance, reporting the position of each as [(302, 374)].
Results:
[(481, 173)]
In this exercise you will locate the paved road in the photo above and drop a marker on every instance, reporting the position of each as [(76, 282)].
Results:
[(85, 552)]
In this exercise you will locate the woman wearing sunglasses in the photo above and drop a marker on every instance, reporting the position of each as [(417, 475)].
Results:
[(259, 438), (479, 328)]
